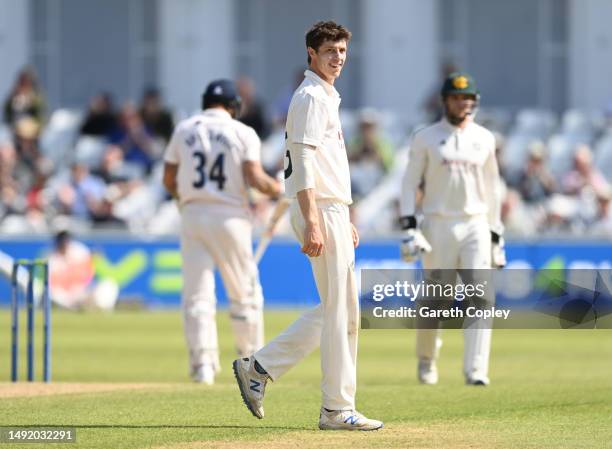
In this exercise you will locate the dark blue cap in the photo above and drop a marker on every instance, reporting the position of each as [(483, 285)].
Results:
[(221, 91)]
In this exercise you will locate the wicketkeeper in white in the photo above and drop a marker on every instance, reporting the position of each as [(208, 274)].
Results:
[(454, 160), (317, 174), (209, 162)]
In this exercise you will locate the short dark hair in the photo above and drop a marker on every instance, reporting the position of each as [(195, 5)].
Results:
[(62, 238), (326, 31)]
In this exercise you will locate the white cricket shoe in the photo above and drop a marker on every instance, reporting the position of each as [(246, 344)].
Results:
[(428, 372), (347, 420), (203, 374), (252, 384)]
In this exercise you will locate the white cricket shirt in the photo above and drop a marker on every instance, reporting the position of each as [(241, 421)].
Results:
[(313, 119), (209, 149), (459, 171)]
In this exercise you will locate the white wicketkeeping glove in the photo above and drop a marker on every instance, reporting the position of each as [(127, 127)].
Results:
[(413, 244), (498, 253)]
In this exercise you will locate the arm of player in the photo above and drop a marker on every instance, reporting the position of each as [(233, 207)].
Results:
[(257, 178), (355, 235), (493, 197), (252, 170), (414, 242), (305, 132), (171, 163), (493, 192), (313, 237), (169, 179), (303, 184), (415, 170)]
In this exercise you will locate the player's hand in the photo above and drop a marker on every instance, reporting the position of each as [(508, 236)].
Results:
[(498, 253), (413, 244), (313, 241), (355, 236), (279, 187)]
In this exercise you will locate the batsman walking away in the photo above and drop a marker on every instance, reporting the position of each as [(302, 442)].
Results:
[(209, 162), (317, 175)]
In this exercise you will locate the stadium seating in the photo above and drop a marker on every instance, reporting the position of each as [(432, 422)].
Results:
[(147, 209), (60, 134)]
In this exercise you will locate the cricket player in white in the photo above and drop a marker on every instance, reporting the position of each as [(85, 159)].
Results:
[(209, 162), (317, 174), (455, 160)]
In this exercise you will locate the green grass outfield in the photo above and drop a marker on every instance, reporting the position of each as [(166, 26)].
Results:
[(550, 389)]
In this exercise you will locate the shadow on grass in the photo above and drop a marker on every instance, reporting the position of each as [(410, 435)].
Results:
[(155, 426)]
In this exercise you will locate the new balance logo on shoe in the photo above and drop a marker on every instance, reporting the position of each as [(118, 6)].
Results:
[(252, 385), (346, 420), (352, 420), (255, 386)]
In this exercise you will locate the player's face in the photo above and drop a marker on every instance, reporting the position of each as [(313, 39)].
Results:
[(459, 107), (328, 60)]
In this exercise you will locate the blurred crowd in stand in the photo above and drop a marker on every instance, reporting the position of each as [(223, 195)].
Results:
[(100, 168)]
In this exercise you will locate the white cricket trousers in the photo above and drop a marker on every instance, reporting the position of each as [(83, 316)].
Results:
[(333, 324), (219, 237), (458, 243)]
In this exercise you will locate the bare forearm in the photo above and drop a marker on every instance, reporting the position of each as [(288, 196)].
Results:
[(266, 185), (308, 206), (314, 242), (169, 179), (172, 190), (257, 178)]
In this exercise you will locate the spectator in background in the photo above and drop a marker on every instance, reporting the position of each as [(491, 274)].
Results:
[(500, 155), (26, 133), (11, 200), (562, 215), (370, 143), (24, 100), (121, 178), (584, 176), (370, 154), (71, 277), (135, 140), (22, 159), (601, 226), (101, 119), (536, 182), (36, 197), (252, 113), (518, 220), (156, 118), (82, 196)]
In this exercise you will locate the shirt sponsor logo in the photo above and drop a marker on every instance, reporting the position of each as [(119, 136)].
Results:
[(458, 163)]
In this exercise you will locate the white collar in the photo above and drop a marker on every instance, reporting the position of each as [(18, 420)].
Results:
[(217, 112), (452, 127), (330, 89)]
